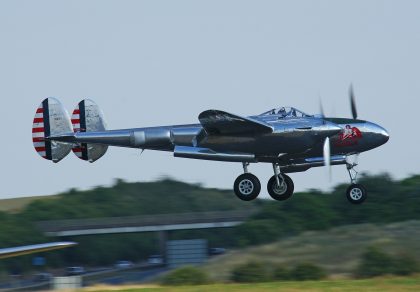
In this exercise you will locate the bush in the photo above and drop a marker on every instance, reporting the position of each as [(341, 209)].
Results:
[(404, 265), (374, 263), (251, 272), (280, 273), (307, 271), (186, 276)]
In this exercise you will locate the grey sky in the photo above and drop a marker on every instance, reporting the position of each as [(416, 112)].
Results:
[(163, 62)]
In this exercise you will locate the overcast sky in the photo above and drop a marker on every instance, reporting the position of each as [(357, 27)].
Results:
[(152, 63)]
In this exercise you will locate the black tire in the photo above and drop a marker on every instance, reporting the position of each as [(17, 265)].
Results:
[(280, 194), (247, 187), (356, 194)]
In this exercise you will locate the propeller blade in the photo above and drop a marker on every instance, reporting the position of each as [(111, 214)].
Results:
[(327, 156), (352, 102), (321, 108)]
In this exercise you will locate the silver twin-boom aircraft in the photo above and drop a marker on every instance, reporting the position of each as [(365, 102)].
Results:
[(289, 139)]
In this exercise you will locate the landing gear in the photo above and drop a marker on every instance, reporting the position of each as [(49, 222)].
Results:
[(247, 186), (356, 193), (282, 191), (280, 186)]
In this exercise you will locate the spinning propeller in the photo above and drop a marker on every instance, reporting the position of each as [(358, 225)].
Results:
[(327, 156), (326, 148)]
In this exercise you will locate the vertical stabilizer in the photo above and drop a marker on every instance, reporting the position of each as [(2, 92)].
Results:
[(88, 117), (51, 118)]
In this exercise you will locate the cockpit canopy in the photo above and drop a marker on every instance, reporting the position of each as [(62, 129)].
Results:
[(286, 112)]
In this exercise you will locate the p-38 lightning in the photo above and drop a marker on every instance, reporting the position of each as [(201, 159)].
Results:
[(289, 139)]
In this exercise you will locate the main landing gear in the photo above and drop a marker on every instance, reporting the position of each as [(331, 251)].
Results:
[(247, 186), (356, 193)]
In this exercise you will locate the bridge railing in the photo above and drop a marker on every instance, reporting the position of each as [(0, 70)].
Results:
[(144, 220)]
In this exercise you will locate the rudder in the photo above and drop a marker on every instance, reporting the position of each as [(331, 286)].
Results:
[(51, 118)]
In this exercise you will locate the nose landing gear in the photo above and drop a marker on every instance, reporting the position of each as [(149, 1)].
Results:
[(356, 193)]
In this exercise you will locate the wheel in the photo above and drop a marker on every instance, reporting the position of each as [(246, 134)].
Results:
[(282, 192), (356, 194), (247, 187)]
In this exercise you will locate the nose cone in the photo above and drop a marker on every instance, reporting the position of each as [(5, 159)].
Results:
[(379, 134)]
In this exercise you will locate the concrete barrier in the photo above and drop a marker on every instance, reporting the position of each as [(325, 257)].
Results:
[(73, 282)]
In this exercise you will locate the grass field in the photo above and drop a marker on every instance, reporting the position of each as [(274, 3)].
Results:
[(376, 284)]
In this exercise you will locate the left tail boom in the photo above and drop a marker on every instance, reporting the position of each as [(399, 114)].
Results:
[(143, 138)]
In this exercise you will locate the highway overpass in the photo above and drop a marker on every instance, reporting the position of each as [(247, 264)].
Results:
[(148, 223)]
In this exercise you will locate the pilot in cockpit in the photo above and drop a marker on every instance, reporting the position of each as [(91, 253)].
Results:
[(282, 112)]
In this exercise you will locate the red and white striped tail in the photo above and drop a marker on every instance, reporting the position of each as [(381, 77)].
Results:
[(80, 150), (87, 117), (50, 119), (38, 132)]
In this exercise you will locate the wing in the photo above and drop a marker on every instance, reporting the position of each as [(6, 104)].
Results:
[(27, 249), (220, 122)]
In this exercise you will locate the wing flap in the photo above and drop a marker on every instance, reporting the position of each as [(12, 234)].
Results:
[(223, 123)]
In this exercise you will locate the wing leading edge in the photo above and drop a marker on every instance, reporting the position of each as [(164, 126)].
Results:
[(223, 123), (27, 249)]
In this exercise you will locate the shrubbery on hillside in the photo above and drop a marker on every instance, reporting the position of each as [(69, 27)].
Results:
[(251, 272), (254, 272), (307, 271), (375, 262), (185, 276)]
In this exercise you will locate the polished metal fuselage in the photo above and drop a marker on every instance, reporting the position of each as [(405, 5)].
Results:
[(295, 143)]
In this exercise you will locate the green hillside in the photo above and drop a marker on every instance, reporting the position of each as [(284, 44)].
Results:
[(388, 201), (337, 250), (15, 205)]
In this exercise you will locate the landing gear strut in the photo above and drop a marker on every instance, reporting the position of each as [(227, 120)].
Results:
[(247, 186), (356, 193), (280, 186)]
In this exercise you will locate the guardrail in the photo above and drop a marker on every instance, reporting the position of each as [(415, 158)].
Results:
[(97, 277)]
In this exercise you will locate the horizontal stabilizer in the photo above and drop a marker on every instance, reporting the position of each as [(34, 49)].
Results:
[(50, 119), (87, 117), (223, 123)]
